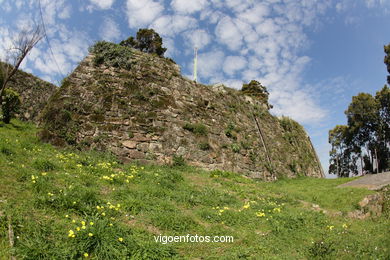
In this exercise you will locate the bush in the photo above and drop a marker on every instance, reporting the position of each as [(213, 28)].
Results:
[(111, 54), (198, 129), (254, 88), (178, 160), (10, 105)]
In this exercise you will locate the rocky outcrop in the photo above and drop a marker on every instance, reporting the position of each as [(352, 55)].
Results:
[(151, 113), (34, 93)]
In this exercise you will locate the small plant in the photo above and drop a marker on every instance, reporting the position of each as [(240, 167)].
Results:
[(6, 151), (11, 104), (198, 129), (235, 148), (130, 134), (321, 249), (204, 146), (178, 160), (229, 131), (44, 165)]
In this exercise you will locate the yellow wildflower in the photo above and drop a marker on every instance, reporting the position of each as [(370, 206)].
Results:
[(90, 234), (44, 173), (83, 227), (73, 221), (260, 214), (120, 239), (83, 223), (86, 254), (103, 214), (78, 229), (345, 225), (91, 223)]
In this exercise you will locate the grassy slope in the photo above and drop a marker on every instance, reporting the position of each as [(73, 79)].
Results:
[(43, 190)]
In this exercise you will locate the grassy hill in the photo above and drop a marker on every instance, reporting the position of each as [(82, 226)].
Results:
[(65, 204)]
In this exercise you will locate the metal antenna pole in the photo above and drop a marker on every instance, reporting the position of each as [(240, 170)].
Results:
[(195, 64)]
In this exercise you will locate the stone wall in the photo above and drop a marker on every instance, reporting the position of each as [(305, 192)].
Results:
[(150, 113), (34, 94)]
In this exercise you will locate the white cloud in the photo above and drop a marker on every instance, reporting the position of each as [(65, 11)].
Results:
[(255, 14), (109, 30), (197, 38), (188, 6), (102, 4), (142, 13), (228, 33), (233, 64), (297, 104), (66, 12), (210, 64), (172, 25)]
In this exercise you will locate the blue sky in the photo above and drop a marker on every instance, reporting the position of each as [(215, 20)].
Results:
[(313, 56)]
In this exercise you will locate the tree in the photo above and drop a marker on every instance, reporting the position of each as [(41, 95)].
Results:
[(147, 40), (366, 136), (254, 88), (343, 158), (22, 45), (387, 60)]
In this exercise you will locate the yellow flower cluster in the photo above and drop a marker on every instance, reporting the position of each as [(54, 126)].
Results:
[(71, 233), (109, 206), (66, 157), (260, 214), (34, 178), (247, 205), (330, 227), (220, 210), (276, 210), (127, 177)]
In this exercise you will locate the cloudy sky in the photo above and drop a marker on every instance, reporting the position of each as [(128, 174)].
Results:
[(313, 55)]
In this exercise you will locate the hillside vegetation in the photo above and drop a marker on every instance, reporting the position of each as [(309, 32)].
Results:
[(65, 204)]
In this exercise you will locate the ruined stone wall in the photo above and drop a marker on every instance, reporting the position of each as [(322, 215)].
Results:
[(34, 94), (152, 114)]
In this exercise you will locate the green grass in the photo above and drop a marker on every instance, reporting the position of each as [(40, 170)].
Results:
[(48, 194)]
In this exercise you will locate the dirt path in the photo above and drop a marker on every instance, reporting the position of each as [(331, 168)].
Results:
[(370, 181)]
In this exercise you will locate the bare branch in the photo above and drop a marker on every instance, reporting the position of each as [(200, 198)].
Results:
[(22, 45)]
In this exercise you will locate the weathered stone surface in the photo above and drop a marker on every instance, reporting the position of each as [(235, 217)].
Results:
[(34, 94), (130, 144), (151, 112)]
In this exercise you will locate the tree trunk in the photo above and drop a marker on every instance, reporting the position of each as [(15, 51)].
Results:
[(376, 161)]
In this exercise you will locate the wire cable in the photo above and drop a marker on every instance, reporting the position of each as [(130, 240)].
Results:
[(48, 42)]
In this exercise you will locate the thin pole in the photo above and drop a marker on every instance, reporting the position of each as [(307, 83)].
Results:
[(195, 64)]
